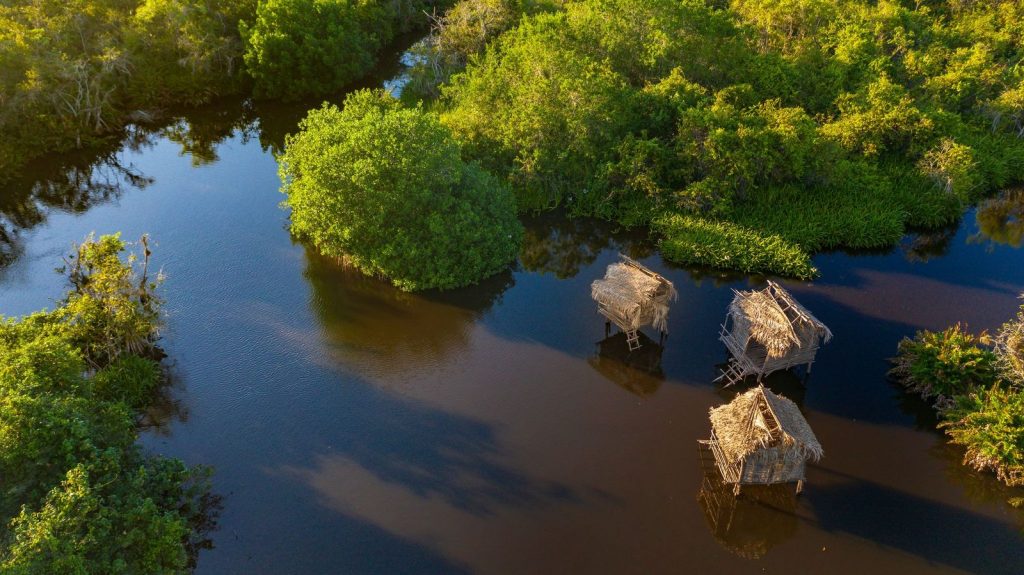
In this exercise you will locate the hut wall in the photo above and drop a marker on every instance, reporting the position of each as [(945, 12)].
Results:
[(773, 465), (753, 356), (731, 472)]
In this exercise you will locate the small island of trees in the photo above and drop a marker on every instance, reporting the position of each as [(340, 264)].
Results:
[(385, 188)]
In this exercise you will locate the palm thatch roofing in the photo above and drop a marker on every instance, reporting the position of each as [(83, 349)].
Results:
[(631, 295), (774, 319), (760, 419)]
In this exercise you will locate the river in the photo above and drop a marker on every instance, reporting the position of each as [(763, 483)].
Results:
[(357, 429)]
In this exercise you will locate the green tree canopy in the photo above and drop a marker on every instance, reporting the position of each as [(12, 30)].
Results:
[(386, 189)]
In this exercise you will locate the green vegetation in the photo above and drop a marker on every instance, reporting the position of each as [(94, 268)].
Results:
[(989, 423), (314, 47), (73, 74), (79, 496), (385, 188), (941, 365), (738, 126), (978, 387)]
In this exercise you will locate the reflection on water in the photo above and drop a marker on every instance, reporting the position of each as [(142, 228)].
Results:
[(925, 245), (1001, 219), (167, 407), (366, 322), (555, 244), (74, 185), (751, 523), (638, 371)]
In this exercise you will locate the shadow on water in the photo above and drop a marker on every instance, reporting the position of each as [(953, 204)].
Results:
[(637, 371), (903, 520), (423, 452), (751, 523), (789, 383)]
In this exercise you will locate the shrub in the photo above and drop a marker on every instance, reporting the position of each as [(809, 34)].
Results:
[(112, 308), (941, 365), (298, 48), (989, 423), (386, 189), (1009, 348)]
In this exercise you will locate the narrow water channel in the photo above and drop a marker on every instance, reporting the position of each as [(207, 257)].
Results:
[(357, 429)]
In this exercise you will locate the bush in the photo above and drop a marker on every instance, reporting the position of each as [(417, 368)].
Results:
[(112, 308), (385, 188), (941, 365), (298, 48), (1009, 348), (989, 423)]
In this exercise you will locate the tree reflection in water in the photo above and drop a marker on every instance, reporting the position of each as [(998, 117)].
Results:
[(638, 372), (751, 523), (562, 246), (923, 246), (379, 330), (1001, 219), (74, 183)]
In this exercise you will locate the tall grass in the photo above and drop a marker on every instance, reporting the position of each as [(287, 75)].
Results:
[(693, 240)]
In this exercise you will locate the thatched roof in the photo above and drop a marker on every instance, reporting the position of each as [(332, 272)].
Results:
[(774, 319), (635, 294), (758, 419)]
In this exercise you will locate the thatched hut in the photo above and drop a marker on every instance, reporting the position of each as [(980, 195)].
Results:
[(761, 438), (631, 296), (767, 330)]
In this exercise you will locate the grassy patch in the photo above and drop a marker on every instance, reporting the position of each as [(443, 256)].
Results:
[(692, 240)]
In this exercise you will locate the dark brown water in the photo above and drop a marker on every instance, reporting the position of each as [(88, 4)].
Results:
[(356, 429)]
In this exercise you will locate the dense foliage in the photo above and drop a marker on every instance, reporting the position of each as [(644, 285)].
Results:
[(73, 72), (314, 47), (989, 423), (782, 128), (386, 189), (78, 496), (978, 387), (941, 365)]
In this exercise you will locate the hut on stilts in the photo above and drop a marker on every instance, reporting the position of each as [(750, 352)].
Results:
[(631, 296), (767, 330), (761, 438)]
